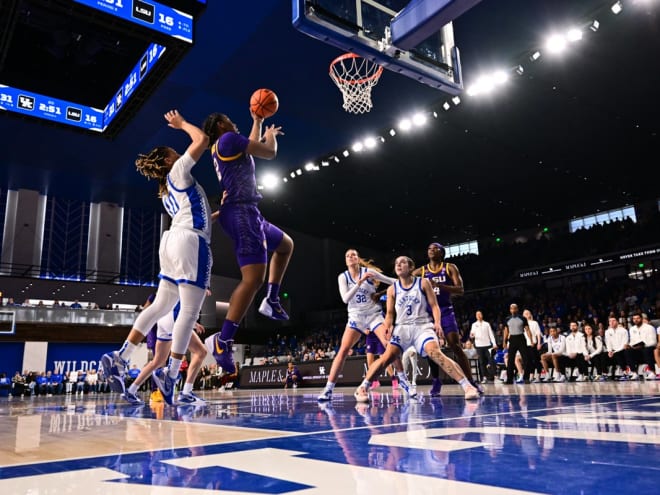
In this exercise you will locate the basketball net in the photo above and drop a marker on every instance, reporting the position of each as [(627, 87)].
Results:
[(355, 76)]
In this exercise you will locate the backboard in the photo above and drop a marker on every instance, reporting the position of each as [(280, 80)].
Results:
[(414, 38)]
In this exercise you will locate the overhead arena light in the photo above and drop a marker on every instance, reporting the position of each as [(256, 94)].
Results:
[(293, 175), (535, 56), (616, 8), (446, 106), (336, 159), (345, 153), (298, 172), (405, 124), (456, 100), (419, 119), (520, 70), (574, 34), (325, 163), (556, 43), (594, 25), (357, 146), (392, 132), (370, 142), (309, 166), (270, 181)]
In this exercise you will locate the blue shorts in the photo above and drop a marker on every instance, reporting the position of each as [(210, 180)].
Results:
[(374, 345), (253, 236)]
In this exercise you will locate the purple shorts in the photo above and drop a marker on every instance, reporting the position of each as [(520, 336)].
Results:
[(448, 320), (374, 345), (253, 236), (151, 338)]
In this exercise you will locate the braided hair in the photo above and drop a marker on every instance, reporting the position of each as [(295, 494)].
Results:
[(210, 126), (153, 166)]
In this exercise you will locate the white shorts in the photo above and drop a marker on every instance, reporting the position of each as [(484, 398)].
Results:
[(185, 257), (417, 336), (365, 322), (165, 326)]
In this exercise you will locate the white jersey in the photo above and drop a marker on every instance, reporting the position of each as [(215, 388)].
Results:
[(411, 304), (360, 301), (186, 200)]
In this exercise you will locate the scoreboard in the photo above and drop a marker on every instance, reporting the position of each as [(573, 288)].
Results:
[(155, 35)]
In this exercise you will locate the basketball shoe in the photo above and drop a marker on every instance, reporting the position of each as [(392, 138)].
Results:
[(273, 309)]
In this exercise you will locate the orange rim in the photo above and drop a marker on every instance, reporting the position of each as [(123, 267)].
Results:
[(345, 56)]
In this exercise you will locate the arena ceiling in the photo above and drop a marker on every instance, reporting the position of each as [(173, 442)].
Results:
[(573, 134)]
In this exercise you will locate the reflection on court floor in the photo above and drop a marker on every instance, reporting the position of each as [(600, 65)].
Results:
[(545, 438)]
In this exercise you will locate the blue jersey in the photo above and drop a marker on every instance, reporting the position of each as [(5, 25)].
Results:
[(439, 276), (235, 168)]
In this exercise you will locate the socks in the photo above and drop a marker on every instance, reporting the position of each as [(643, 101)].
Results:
[(133, 389), (330, 386), (126, 350), (273, 292), (365, 384), (465, 383), (174, 366), (229, 329), (188, 388)]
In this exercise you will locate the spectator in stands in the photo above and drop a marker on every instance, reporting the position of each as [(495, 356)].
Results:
[(5, 385), (649, 339), (56, 383), (616, 339), (292, 377), (76, 305), (556, 350), (92, 380), (534, 345), (470, 351), (18, 384), (575, 350), (41, 384)]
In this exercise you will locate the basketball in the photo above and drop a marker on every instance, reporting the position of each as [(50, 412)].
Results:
[(264, 103)]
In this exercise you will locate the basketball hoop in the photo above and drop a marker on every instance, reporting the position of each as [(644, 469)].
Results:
[(355, 76)]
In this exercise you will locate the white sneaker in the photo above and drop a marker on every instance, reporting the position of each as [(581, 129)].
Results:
[(581, 378), (361, 394), (649, 375), (560, 378), (633, 376), (325, 396), (471, 393)]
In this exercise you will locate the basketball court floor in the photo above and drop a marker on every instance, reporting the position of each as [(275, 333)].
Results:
[(575, 438)]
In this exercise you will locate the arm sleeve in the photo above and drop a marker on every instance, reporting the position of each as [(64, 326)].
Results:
[(231, 144), (345, 293), (180, 175), (382, 278)]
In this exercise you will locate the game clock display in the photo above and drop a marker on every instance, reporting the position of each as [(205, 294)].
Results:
[(66, 112), (148, 14)]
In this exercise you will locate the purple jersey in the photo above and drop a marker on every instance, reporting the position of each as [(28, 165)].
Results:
[(235, 168), (440, 277)]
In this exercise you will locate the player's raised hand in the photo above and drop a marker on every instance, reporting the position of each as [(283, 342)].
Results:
[(174, 119)]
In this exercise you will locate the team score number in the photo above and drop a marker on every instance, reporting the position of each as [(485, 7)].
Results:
[(168, 20), (117, 3)]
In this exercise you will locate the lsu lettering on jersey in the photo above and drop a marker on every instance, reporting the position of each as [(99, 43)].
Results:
[(411, 304), (186, 200), (440, 276)]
